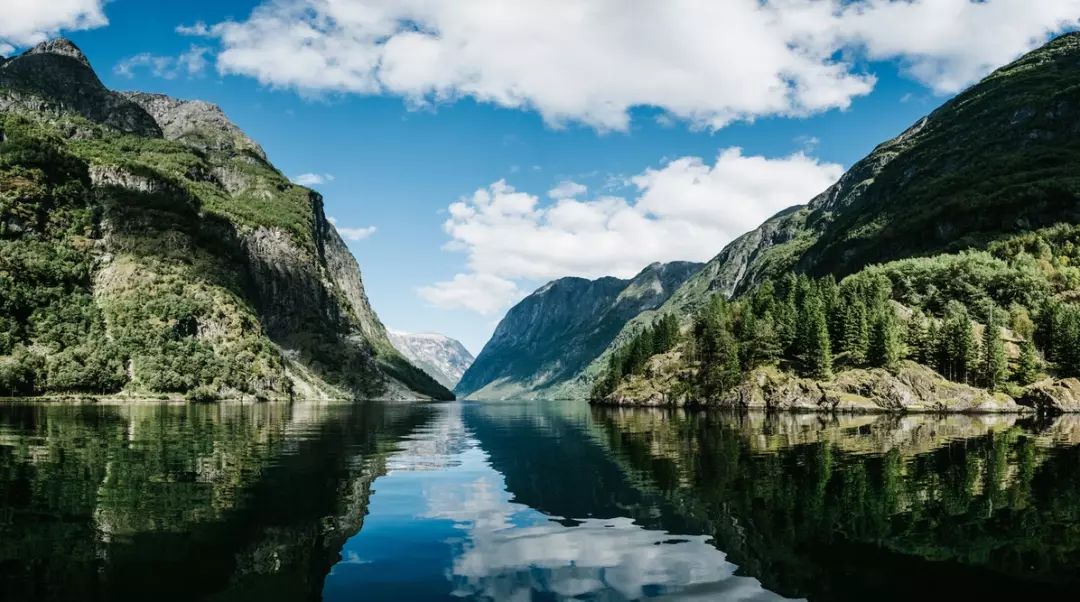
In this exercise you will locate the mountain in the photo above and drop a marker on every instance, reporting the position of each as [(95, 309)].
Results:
[(149, 248), (443, 358), (997, 160), (549, 337)]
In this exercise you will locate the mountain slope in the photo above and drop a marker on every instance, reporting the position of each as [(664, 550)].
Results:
[(998, 159), (443, 358), (148, 247), (552, 334)]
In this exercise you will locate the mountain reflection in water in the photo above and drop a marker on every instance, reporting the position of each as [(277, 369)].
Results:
[(529, 500)]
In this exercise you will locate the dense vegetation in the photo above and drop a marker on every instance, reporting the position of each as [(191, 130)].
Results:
[(957, 313), (55, 336), (187, 266)]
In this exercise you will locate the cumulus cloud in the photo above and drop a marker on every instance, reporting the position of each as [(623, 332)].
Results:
[(567, 190), (688, 209), (948, 44), (192, 63), (26, 23), (704, 62), (484, 294), (507, 552), (313, 179), (354, 234)]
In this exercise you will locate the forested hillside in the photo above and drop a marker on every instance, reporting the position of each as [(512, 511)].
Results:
[(149, 248), (997, 163)]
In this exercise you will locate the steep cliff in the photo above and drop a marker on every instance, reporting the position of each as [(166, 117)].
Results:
[(551, 335), (147, 246)]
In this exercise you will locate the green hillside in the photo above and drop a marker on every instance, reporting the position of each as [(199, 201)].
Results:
[(148, 248)]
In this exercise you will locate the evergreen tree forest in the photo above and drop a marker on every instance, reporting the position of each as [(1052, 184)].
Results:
[(956, 313)]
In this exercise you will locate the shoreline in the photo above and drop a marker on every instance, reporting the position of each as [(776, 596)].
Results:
[(1019, 410), (179, 400)]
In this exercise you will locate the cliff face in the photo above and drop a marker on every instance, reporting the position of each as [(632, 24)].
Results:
[(546, 339), (194, 264), (445, 359)]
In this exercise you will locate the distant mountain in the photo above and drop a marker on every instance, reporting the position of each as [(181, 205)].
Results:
[(443, 358), (148, 247), (541, 346)]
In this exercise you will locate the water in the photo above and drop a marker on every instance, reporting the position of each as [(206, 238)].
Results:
[(530, 501)]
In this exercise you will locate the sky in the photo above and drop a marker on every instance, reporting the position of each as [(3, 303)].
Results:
[(471, 150)]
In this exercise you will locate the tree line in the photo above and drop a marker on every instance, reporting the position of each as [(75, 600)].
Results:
[(814, 326)]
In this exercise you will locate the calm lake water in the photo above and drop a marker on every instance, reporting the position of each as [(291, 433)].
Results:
[(530, 501)]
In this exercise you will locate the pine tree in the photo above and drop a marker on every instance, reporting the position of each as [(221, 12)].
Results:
[(807, 300), (855, 331), (765, 346), (931, 350), (817, 354), (665, 334), (958, 349), (785, 319), (886, 347), (639, 353), (716, 351), (764, 298), (1027, 368), (830, 300), (915, 338)]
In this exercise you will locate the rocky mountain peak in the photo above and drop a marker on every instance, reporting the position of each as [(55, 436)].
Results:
[(195, 122), (442, 357), (60, 47), (55, 77)]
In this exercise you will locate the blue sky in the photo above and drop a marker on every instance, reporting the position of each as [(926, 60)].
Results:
[(399, 160)]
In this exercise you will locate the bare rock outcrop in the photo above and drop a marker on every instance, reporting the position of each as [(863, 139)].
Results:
[(910, 388)]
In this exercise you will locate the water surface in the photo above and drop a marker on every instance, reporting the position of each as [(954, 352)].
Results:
[(529, 501)]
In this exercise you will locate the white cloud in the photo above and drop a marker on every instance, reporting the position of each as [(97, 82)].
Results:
[(567, 190), (24, 23), (191, 64), (482, 293), (198, 29), (354, 234), (948, 44), (687, 209), (506, 552), (313, 179), (705, 62)]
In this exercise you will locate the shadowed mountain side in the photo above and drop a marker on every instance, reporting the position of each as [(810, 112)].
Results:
[(553, 333)]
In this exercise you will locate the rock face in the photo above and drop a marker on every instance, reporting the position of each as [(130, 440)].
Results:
[(1053, 397), (202, 261), (910, 388), (196, 123), (995, 160), (549, 337), (445, 359)]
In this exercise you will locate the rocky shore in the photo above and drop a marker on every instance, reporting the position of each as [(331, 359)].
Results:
[(910, 388)]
